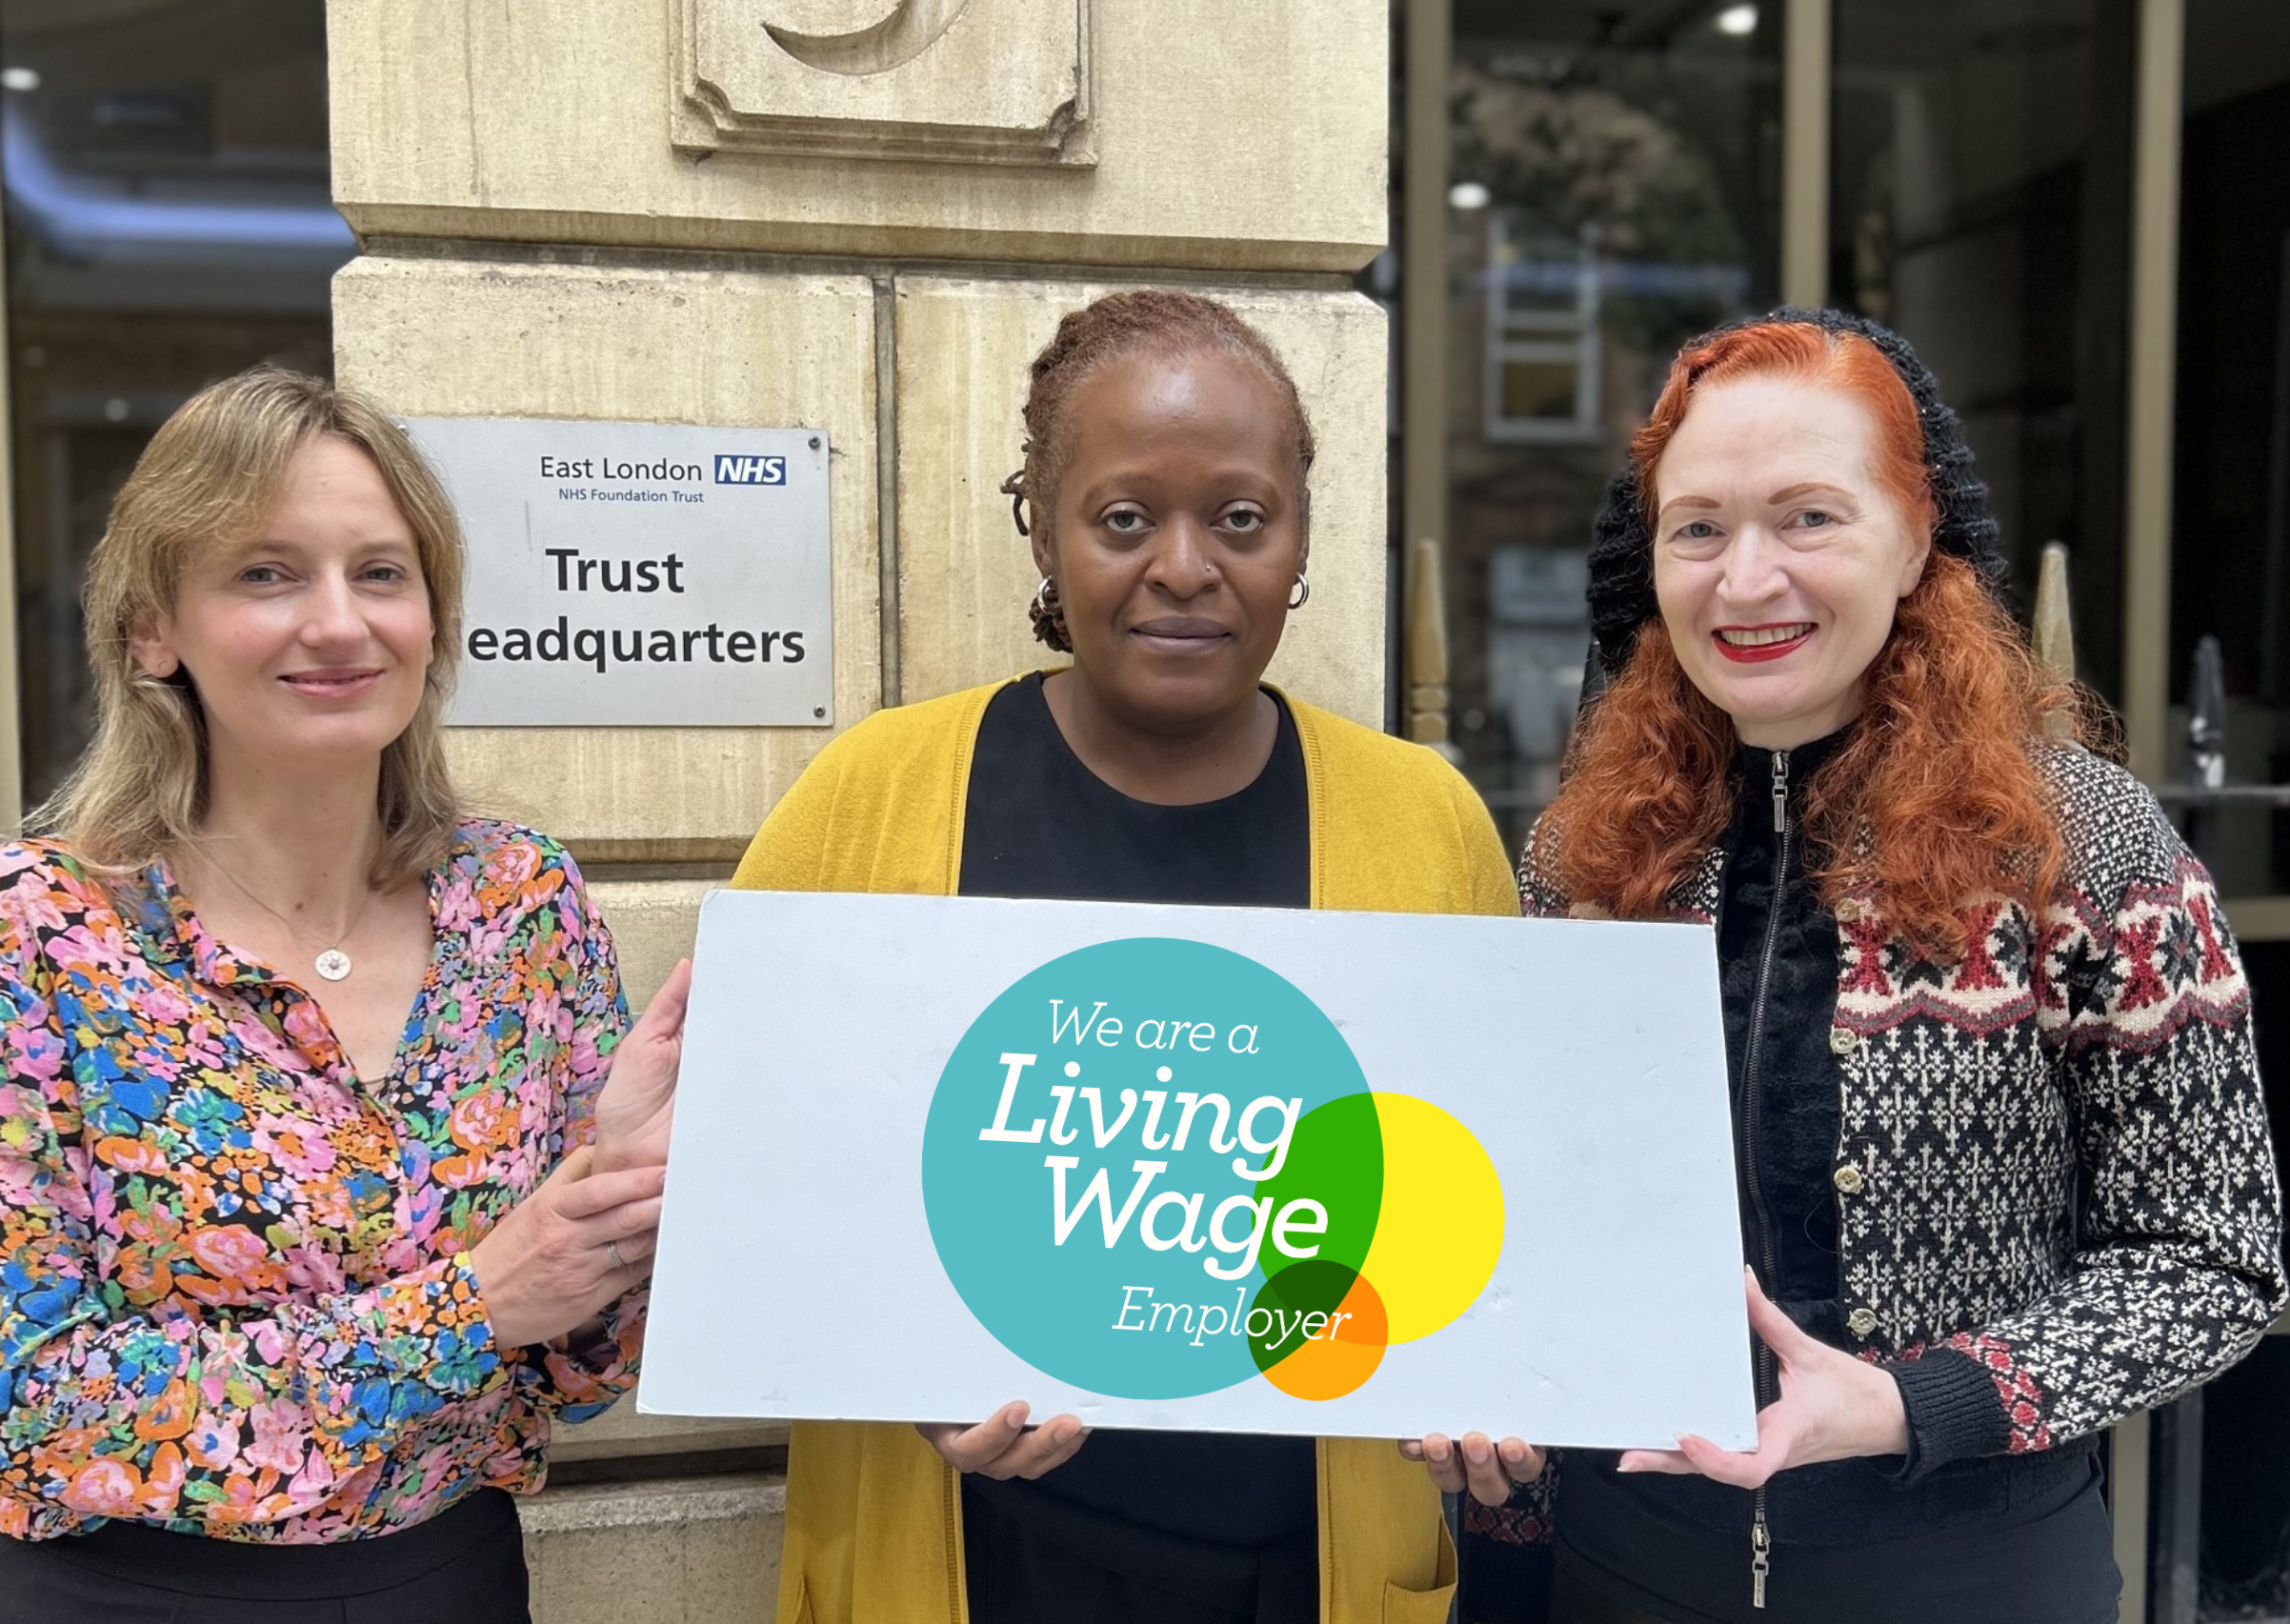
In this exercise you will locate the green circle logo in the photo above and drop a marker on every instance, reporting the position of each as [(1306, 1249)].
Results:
[(1153, 1169)]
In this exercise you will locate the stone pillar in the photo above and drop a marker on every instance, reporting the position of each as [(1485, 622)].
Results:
[(861, 215)]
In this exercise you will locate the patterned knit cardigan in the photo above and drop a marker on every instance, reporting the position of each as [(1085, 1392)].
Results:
[(2066, 1209)]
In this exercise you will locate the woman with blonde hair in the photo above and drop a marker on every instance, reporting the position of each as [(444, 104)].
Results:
[(2002, 1157), (303, 1239)]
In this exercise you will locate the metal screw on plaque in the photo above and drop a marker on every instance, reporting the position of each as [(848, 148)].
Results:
[(820, 710), (814, 442)]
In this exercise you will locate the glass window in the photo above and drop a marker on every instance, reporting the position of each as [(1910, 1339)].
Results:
[(1981, 207), (168, 224), (1617, 174), (2230, 559)]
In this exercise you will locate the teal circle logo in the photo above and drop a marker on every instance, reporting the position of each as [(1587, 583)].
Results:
[(1111, 1174)]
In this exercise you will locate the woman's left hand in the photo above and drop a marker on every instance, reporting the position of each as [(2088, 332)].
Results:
[(1489, 1470), (639, 1102), (1833, 1407)]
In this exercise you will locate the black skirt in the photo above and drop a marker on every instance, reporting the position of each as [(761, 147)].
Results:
[(464, 1566)]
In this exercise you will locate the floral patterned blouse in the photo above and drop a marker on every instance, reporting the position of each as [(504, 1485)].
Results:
[(235, 1292)]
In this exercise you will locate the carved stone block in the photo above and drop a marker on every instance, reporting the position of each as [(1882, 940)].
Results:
[(973, 81), (1243, 136)]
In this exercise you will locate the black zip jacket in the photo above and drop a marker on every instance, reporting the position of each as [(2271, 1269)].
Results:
[(1776, 957)]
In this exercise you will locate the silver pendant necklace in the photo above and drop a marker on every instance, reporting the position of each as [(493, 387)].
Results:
[(331, 962)]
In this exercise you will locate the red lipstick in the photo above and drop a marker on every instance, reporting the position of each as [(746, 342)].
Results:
[(1757, 654)]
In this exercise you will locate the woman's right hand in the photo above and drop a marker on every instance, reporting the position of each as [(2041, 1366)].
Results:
[(1002, 1445), (1489, 1470), (637, 1105), (549, 1264)]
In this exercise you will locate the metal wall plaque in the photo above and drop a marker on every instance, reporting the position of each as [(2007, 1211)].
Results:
[(639, 574)]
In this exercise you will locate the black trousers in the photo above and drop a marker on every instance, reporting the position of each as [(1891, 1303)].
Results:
[(464, 1566)]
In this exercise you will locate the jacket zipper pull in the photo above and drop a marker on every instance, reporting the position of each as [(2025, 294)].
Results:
[(1780, 791), (1761, 1554)]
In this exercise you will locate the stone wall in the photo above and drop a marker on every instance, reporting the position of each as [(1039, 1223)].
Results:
[(865, 216)]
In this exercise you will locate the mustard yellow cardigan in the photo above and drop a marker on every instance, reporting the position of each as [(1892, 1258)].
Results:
[(873, 1517)]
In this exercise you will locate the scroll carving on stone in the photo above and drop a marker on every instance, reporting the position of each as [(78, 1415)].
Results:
[(961, 81)]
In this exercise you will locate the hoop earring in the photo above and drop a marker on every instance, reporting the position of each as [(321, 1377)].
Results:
[(1049, 617), (1300, 594)]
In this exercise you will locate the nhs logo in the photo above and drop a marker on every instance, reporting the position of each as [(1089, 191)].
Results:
[(733, 470)]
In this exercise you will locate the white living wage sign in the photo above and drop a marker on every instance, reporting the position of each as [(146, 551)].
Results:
[(1214, 1168), (639, 574)]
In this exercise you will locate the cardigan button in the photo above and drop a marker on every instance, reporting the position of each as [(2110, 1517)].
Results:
[(1862, 1321), (1843, 1040), (1850, 910), (1847, 1179)]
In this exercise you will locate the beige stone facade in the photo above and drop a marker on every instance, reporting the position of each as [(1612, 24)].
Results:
[(1231, 135), (864, 216)]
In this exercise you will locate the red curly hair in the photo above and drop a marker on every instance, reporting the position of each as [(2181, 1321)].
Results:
[(1934, 803)]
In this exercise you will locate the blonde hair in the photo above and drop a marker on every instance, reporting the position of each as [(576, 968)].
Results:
[(207, 480)]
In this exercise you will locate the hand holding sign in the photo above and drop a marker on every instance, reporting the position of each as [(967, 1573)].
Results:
[(1833, 1407), (635, 1111), (1003, 1445), (1489, 1470)]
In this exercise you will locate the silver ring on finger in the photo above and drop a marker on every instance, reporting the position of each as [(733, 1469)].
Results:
[(611, 1250)]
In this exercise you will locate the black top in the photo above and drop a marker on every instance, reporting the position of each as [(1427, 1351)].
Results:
[(1138, 1527), (2015, 1539), (1786, 1133)]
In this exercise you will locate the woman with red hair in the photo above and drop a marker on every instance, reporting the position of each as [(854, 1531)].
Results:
[(2002, 1157)]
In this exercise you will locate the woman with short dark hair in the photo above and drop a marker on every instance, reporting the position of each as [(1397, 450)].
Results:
[(1165, 492)]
